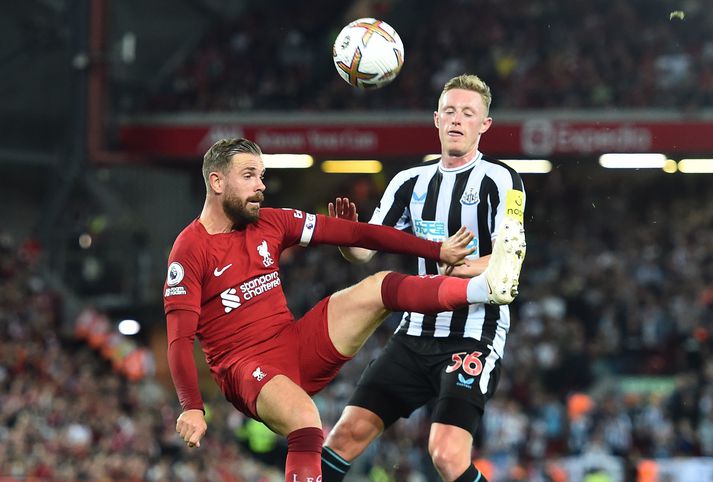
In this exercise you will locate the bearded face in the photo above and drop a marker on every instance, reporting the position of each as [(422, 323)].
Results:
[(242, 211), (240, 189)]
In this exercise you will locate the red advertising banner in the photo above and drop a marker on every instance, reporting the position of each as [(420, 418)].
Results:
[(529, 138)]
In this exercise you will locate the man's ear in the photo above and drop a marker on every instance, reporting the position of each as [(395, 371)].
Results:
[(486, 125), (216, 180), (436, 122)]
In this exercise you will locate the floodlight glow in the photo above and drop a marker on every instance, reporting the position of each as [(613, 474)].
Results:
[(287, 161), (696, 166), (632, 160), (129, 327), (529, 166), (670, 166), (367, 166)]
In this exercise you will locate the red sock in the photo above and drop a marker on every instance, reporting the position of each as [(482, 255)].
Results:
[(304, 455), (423, 294)]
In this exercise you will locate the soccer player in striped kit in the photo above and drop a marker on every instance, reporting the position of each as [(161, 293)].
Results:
[(223, 286), (452, 357)]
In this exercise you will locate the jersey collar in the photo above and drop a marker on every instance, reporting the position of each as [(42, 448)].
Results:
[(464, 167)]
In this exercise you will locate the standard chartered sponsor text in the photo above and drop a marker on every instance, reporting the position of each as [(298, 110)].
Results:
[(259, 285)]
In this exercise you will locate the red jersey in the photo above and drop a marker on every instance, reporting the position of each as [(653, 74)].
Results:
[(232, 282)]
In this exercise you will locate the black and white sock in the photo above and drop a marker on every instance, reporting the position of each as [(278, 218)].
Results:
[(334, 467), (470, 475)]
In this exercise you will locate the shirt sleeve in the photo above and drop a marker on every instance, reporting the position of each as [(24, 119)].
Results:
[(182, 289), (307, 228), (511, 193), (181, 326), (340, 232), (295, 226), (393, 208)]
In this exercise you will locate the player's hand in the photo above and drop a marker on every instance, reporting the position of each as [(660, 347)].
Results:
[(469, 269), (455, 248), (191, 426), (445, 269), (343, 209)]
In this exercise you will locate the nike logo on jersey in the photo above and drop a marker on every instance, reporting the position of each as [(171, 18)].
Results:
[(218, 272)]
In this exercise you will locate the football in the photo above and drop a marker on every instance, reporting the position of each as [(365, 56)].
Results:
[(368, 53)]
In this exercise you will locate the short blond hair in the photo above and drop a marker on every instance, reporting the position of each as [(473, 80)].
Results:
[(470, 82)]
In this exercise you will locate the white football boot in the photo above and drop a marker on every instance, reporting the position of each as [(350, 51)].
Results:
[(503, 272)]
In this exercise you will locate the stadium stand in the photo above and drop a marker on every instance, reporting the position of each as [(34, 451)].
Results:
[(534, 55), (608, 374)]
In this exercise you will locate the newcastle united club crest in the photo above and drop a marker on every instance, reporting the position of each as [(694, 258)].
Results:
[(470, 197)]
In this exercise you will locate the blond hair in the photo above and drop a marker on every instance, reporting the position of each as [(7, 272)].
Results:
[(470, 82)]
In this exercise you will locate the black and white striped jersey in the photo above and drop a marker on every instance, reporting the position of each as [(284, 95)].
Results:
[(433, 202)]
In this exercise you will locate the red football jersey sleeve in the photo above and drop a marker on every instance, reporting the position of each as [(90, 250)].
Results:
[(295, 226), (186, 268)]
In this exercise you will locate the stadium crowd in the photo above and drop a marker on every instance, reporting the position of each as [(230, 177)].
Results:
[(66, 415), (533, 54), (610, 346), (618, 282)]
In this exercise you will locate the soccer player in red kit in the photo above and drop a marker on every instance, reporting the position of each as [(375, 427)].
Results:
[(224, 287)]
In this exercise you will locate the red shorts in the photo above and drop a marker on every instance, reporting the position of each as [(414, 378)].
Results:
[(302, 351)]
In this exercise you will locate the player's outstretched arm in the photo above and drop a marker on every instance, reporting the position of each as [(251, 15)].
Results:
[(181, 328), (342, 208), (340, 232)]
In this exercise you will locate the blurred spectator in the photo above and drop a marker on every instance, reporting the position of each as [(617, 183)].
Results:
[(534, 54)]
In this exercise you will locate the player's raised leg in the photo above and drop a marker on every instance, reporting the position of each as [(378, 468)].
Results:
[(354, 313)]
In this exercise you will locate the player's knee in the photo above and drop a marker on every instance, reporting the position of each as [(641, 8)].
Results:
[(306, 415), (449, 460), (377, 279), (369, 290), (299, 414), (349, 438), (374, 282)]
